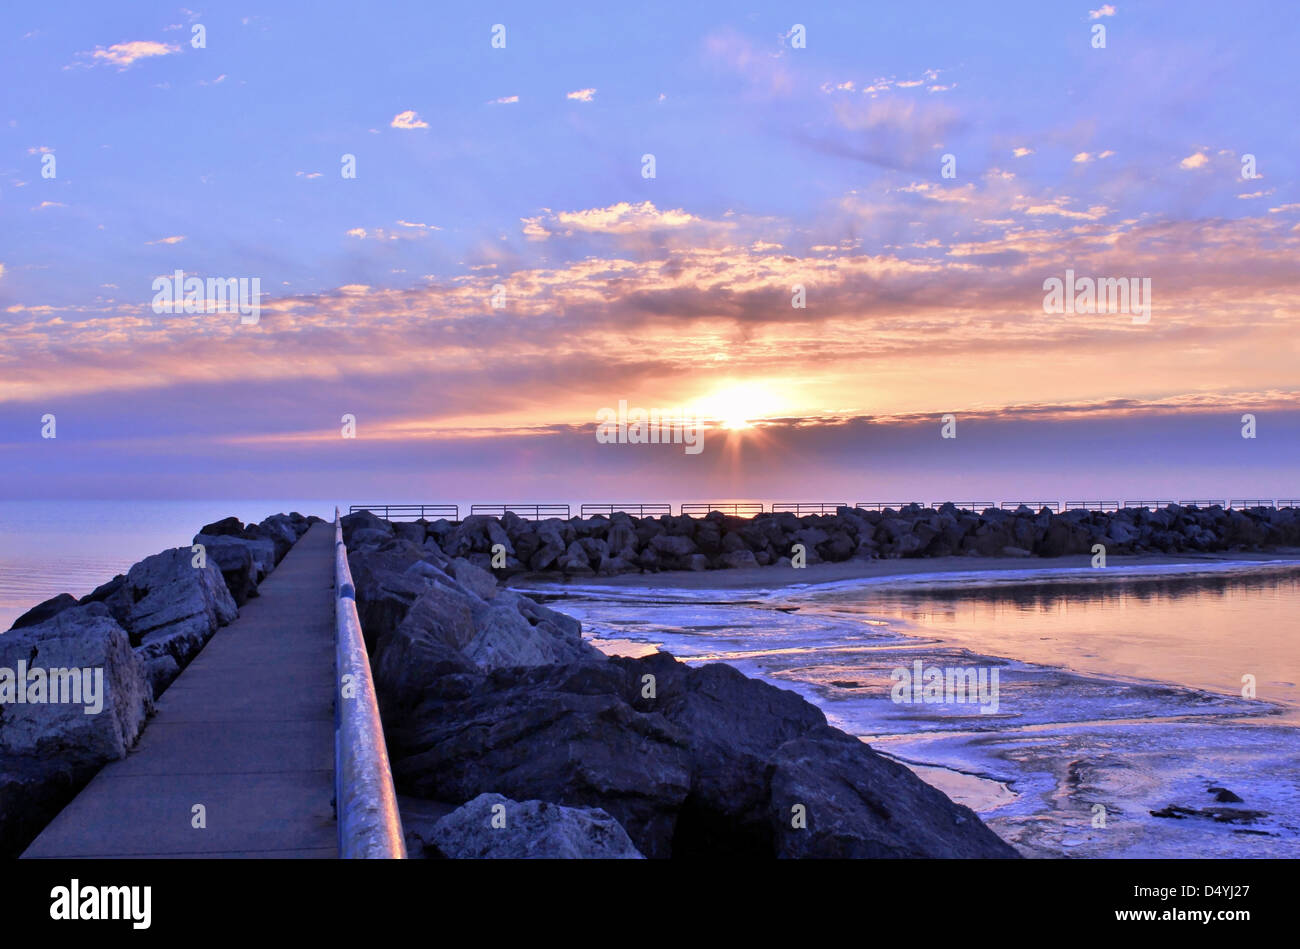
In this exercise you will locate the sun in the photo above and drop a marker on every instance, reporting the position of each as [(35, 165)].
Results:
[(735, 408)]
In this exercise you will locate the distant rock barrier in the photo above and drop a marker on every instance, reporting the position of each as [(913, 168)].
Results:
[(139, 630), (618, 543)]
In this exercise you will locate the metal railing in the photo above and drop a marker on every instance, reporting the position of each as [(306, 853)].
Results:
[(1288, 502), (1198, 504), (807, 507), (534, 512), (1053, 506), (393, 512), (964, 505), (886, 505), (1243, 505), (640, 510), (738, 508), (1092, 505), (370, 826), (1152, 505)]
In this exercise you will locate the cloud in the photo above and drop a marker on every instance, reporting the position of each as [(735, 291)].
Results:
[(581, 95), (1082, 158), (2, 270), (620, 218), (505, 100), (408, 120), (307, 174), (166, 240), (1021, 152), (1195, 160), (1106, 10), (123, 55), (49, 204)]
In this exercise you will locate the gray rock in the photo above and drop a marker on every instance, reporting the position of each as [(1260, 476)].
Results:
[(49, 751), (170, 607), (476, 580), (45, 611), (858, 804), (494, 827)]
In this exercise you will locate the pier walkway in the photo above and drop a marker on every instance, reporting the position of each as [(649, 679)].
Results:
[(245, 736)]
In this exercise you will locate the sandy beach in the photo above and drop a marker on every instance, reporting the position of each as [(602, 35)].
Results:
[(764, 578)]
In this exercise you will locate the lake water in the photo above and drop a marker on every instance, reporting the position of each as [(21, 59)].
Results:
[(1116, 699), (53, 547)]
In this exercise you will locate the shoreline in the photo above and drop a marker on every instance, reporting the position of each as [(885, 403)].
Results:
[(913, 571)]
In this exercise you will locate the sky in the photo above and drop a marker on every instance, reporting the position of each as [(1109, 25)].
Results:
[(502, 266)]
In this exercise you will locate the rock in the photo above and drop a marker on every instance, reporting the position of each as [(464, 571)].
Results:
[(227, 526), (495, 827), (1224, 796), (858, 804), (45, 611), (1009, 551), (362, 520), (51, 750), (369, 537), (170, 607), (687, 767), (281, 530), (739, 559), (476, 580), (560, 733), (235, 561), (104, 591), (575, 562), (674, 545), (260, 549)]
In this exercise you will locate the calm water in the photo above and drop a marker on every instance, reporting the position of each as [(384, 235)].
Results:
[(53, 547), (1123, 696)]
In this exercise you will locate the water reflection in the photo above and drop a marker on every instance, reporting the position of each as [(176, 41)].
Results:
[(1204, 631)]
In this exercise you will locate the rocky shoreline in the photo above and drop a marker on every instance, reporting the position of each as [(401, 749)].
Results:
[(622, 544), (523, 739), (529, 742), (141, 629)]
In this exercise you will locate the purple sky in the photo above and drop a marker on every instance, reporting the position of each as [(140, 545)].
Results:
[(784, 158)]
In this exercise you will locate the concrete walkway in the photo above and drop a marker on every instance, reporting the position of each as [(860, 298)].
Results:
[(247, 730)]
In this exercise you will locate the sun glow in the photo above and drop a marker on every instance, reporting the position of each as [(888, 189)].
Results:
[(735, 408)]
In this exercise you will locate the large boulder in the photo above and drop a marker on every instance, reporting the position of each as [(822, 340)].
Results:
[(494, 827), (235, 561), (49, 749), (832, 796), (683, 758), (559, 733), (45, 611), (171, 608)]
